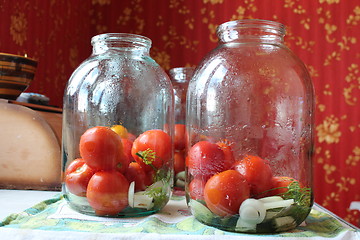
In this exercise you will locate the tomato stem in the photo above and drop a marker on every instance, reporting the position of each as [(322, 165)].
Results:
[(119, 165), (148, 156), (224, 143)]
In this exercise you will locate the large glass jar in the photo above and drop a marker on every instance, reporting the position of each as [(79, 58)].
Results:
[(250, 108), (180, 77), (118, 130)]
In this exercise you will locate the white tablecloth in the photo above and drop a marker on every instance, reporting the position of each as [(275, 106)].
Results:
[(53, 219)]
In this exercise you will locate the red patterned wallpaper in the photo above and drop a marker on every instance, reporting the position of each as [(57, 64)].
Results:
[(325, 34)]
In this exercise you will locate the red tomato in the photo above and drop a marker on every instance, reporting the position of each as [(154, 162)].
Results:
[(280, 185), (229, 156), (205, 159), (131, 137), (152, 142), (180, 140), (101, 148), (127, 145), (107, 192), (123, 164), (74, 165), (136, 173), (77, 176), (125, 157), (224, 192), (179, 162), (257, 172), (196, 189)]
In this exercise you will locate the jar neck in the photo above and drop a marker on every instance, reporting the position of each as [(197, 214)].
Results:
[(181, 74), (251, 30), (120, 42)]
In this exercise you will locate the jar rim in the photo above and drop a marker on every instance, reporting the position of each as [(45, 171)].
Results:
[(181, 74), (182, 69), (126, 37), (252, 23)]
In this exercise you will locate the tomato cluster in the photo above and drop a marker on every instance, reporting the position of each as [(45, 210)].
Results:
[(112, 158), (223, 183)]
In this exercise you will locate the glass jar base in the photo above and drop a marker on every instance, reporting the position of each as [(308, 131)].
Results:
[(81, 205), (275, 221), (263, 229)]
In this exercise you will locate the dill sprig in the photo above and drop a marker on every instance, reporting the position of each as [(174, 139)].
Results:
[(301, 195), (158, 194)]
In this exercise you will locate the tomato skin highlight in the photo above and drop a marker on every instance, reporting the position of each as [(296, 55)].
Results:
[(107, 192), (205, 159), (224, 192), (101, 148), (157, 141), (77, 177), (257, 172), (136, 173)]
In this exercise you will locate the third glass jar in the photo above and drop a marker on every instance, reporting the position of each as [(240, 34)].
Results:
[(180, 77), (250, 120)]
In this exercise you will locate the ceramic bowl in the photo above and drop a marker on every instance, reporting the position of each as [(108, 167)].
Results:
[(16, 74)]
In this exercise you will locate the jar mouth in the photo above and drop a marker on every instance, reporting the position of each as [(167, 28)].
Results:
[(124, 38), (236, 29)]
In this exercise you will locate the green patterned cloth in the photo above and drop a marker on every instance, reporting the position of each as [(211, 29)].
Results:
[(53, 218)]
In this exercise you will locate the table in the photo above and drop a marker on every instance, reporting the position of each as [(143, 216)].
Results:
[(45, 215)]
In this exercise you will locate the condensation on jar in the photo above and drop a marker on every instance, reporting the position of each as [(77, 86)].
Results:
[(118, 128), (180, 78), (250, 124)]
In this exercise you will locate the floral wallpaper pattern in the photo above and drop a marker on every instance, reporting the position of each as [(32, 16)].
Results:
[(325, 34)]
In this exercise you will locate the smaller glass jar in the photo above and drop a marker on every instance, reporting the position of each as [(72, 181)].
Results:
[(118, 123), (180, 78)]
